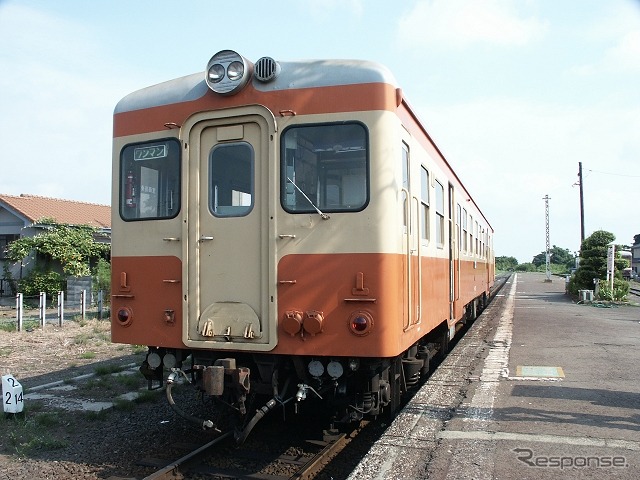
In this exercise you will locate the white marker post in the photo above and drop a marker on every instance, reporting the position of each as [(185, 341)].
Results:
[(12, 397), (611, 266)]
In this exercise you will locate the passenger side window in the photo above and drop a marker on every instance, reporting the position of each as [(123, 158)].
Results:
[(439, 214)]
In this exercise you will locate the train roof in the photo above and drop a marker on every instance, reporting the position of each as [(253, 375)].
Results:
[(293, 75)]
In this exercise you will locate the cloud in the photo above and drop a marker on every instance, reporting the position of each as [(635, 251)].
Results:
[(613, 39), (625, 55), (460, 23)]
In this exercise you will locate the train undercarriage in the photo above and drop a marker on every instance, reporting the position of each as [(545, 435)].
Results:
[(250, 385)]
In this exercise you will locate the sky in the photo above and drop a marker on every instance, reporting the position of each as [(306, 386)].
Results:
[(515, 93)]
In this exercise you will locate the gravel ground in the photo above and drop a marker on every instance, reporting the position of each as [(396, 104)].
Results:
[(49, 442)]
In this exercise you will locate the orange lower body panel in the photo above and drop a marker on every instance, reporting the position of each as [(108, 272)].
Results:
[(150, 289), (340, 286), (322, 292)]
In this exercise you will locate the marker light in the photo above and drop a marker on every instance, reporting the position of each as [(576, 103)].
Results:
[(124, 316), (228, 72), (360, 323)]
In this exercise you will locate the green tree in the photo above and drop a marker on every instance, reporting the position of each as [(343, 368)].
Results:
[(504, 264), (74, 248), (559, 256), (102, 275), (593, 262), (526, 267)]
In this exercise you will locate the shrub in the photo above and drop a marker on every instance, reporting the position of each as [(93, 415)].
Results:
[(38, 281), (102, 276), (619, 293)]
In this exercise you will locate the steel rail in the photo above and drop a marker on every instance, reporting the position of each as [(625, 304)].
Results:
[(170, 470)]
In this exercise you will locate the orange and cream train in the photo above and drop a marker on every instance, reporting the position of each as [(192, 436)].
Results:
[(289, 229)]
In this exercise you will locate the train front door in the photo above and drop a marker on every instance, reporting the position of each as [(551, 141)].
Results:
[(228, 233)]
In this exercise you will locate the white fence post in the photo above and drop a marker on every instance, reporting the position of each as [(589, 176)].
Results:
[(83, 304), (43, 308), (60, 308), (19, 307)]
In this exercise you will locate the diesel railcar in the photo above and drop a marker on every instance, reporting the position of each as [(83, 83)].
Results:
[(288, 230)]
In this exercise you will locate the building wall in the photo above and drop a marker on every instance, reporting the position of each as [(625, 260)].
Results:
[(635, 258)]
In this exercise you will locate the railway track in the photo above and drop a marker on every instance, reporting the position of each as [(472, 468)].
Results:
[(216, 459)]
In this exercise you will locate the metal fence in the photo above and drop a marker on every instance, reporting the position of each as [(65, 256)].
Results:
[(26, 313)]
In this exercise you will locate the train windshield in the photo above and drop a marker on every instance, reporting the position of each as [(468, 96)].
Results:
[(325, 167), (150, 180)]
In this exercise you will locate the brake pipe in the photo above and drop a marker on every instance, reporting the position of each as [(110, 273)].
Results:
[(171, 379)]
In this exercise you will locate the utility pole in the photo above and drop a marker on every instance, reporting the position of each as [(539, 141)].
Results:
[(581, 203), (546, 199)]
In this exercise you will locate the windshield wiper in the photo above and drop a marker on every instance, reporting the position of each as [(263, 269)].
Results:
[(323, 215)]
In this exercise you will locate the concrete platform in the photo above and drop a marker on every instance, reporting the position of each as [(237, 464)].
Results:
[(540, 387)]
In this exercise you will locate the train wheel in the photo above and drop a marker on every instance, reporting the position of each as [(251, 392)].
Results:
[(444, 345), (396, 383)]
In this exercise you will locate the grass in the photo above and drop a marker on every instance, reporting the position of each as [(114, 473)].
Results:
[(47, 419), (147, 396), (12, 325), (104, 383), (33, 430), (129, 381), (138, 349), (144, 396), (108, 369), (123, 405), (8, 326), (96, 336), (99, 416)]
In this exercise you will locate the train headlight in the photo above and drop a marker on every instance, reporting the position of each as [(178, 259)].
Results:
[(360, 323), (235, 71), (215, 73), (124, 316), (228, 72)]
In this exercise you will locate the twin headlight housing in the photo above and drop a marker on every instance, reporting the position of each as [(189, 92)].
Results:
[(228, 72)]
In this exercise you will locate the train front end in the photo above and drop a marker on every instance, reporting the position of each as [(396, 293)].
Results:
[(247, 248)]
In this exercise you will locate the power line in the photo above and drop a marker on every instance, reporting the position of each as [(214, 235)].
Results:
[(615, 174)]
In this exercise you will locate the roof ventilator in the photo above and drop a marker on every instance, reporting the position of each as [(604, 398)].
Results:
[(266, 69)]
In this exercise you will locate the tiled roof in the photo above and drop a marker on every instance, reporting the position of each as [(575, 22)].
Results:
[(69, 212)]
